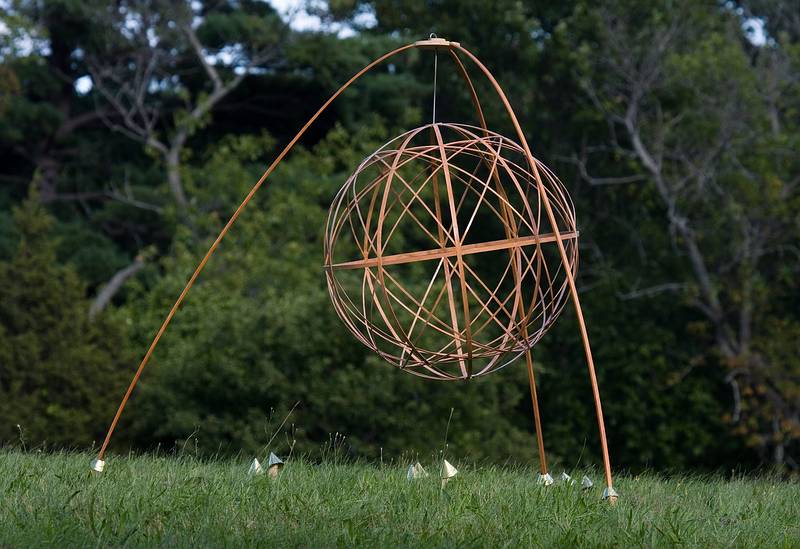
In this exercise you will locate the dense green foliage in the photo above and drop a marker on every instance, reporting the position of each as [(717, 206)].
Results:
[(58, 370), (676, 135), (184, 502)]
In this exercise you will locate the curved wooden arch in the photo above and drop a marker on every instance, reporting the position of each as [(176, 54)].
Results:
[(452, 48), (570, 279)]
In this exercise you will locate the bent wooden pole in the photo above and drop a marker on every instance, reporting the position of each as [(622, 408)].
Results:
[(510, 236), (610, 493), (222, 234)]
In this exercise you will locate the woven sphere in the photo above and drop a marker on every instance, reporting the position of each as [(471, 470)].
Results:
[(440, 256)]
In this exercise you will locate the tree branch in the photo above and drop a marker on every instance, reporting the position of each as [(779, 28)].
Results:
[(211, 71), (104, 195), (652, 290), (105, 295)]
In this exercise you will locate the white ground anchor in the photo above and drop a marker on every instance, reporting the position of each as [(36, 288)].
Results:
[(610, 494), (98, 465), (416, 471), (567, 479), (544, 479), (586, 482), (448, 472)]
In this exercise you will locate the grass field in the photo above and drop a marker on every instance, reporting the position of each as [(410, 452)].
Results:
[(169, 501)]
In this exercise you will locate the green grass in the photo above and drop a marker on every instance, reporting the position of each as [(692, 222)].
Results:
[(167, 501)]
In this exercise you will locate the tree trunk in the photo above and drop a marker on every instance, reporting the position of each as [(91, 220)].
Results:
[(172, 159)]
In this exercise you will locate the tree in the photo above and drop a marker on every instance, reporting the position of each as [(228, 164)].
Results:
[(147, 72), (49, 138), (58, 370), (706, 117), (41, 123)]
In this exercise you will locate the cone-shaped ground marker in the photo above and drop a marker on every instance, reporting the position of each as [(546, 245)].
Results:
[(274, 465), (255, 468), (545, 479), (566, 478), (416, 471), (448, 472), (586, 482)]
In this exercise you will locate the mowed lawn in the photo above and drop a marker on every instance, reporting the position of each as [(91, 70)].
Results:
[(167, 501)]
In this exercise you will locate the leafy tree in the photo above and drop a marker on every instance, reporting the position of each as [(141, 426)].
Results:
[(51, 137), (59, 372), (708, 128), (137, 70)]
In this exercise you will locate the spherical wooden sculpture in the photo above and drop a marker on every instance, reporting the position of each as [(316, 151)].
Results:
[(438, 254), (450, 251)]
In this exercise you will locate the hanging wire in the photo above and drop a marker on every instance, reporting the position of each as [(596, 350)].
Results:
[(435, 74)]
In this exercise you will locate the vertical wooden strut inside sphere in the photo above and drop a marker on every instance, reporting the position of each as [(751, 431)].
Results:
[(450, 251)]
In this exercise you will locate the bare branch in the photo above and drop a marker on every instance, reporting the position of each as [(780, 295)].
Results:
[(580, 163), (653, 290), (104, 195), (119, 279), (211, 71), (730, 379)]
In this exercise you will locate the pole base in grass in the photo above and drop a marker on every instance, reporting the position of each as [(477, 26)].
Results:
[(274, 465), (545, 479), (610, 495), (98, 465)]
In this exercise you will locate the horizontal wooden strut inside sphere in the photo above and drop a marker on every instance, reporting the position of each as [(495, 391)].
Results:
[(451, 251)]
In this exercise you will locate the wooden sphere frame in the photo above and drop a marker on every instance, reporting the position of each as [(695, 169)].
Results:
[(522, 231), (465, 201)]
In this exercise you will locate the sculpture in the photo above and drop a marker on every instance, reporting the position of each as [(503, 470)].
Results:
[(441, 302)]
